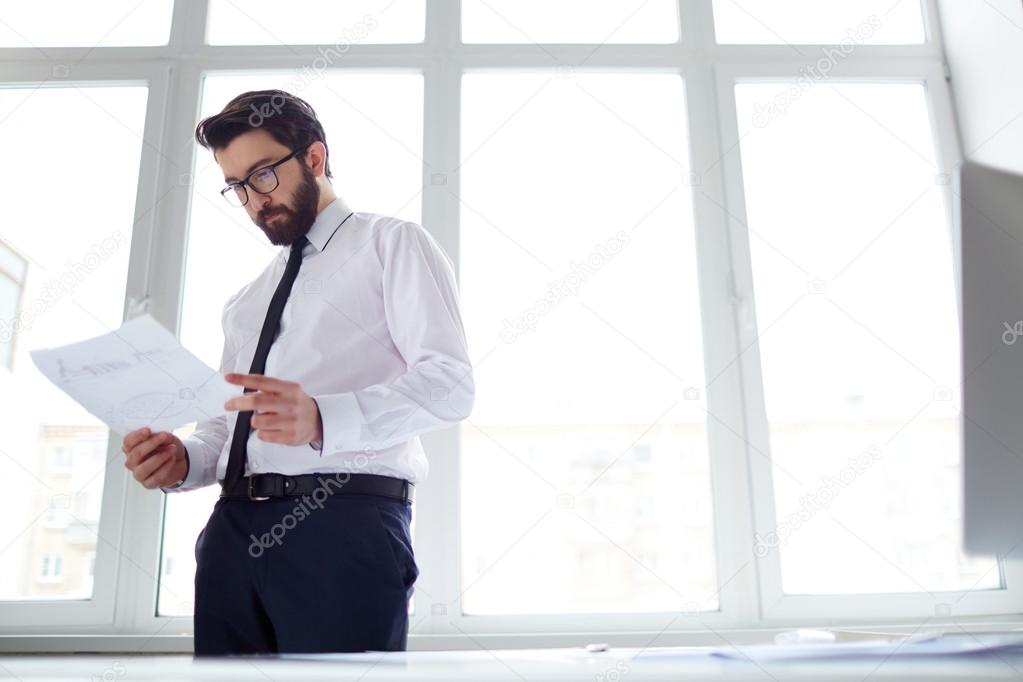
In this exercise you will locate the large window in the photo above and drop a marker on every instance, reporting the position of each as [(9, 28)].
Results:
[(706, 267), (63, 271), (606, 465), (861, 396)]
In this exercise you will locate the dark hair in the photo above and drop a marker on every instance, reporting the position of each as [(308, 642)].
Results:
[(287, 118)]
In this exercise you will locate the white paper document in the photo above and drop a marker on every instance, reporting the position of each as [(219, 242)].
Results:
[(138, 375), (960, 644)]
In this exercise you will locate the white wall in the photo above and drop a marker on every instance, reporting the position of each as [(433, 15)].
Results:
[(984, 48)]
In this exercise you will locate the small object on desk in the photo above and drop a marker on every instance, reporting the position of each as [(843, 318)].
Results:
[(598, 646)]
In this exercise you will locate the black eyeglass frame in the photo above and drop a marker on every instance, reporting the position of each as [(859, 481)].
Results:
[(246, 184)]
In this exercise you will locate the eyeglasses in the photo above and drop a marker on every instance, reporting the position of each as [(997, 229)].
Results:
[(262, 180)]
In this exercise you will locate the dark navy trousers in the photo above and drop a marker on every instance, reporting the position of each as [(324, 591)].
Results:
[(299, 575)]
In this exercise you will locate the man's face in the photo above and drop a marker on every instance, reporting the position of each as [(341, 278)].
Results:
[(286, 213)]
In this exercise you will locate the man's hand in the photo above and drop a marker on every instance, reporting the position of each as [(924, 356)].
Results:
[(282, 411), (157, 460)]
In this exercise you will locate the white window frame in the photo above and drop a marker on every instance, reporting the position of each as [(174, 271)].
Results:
[(18, 279), (750, 598)]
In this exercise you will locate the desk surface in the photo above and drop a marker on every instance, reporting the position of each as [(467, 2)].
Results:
[(617, 665)]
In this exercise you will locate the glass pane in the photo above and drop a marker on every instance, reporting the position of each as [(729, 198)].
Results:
[(838, 22), (857, 312), (374, 130), (185, 514), (339, 24), (569, 21), (111, 23), (52, 452), (589, 422)]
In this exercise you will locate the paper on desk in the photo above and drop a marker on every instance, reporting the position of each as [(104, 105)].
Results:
[(138, 375), (947, 645)]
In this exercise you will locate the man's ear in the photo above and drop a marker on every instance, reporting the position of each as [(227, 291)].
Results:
[(316, 155)]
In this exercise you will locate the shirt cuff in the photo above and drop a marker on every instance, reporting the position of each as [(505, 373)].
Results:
[(313, 444), (342, 422)]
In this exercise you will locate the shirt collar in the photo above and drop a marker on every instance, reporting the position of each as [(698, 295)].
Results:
[(326, 224)]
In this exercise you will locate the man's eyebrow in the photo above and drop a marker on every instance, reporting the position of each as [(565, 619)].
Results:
[(251, 168)]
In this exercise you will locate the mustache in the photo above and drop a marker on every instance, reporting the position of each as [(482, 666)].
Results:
[(263, 215)]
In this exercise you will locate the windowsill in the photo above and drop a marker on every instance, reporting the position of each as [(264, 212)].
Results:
[(182, 644)]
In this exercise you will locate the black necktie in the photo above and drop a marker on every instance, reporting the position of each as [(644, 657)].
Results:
[(272, 323)]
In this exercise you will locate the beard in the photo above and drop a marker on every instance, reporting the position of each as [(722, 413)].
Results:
[(287, 224)]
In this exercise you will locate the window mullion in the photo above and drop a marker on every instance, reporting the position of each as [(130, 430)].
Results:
[(173, 105), (722, 309), (438, 526)]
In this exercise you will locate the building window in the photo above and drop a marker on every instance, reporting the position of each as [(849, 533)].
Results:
[(51, 568)]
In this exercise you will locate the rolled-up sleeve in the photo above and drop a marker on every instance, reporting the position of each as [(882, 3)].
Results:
[(437, 390)]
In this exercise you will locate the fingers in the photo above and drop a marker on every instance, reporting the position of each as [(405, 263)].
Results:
[(133, 438), (284, 437), (151, 465), (275, 428), (150, 457), (158, 477), (271, 420), (143, 449), (261, 402), (260, 382)]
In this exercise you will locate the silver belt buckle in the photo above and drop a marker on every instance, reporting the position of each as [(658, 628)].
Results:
[(255, 499)]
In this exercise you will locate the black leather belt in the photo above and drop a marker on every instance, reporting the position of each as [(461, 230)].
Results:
[(266, 486)]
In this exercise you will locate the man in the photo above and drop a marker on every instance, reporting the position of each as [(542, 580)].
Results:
[(348, 346)]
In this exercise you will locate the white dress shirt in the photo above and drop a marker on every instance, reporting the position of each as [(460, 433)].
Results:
[(372, 331)]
